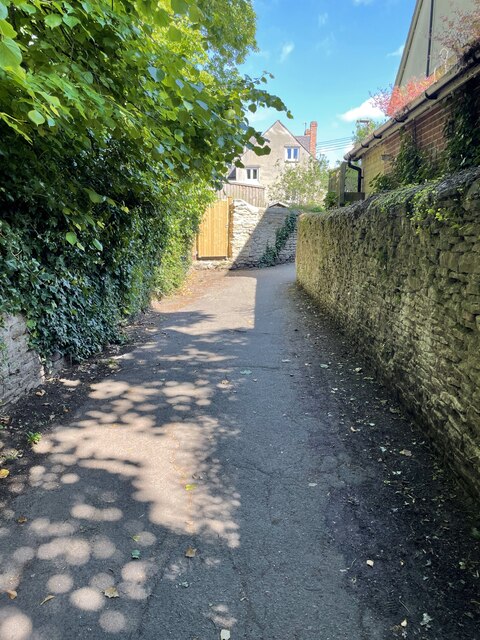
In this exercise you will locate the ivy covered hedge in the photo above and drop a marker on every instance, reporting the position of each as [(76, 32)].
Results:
[(116, 119)]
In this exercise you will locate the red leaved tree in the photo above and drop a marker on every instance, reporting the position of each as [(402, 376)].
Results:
[(394, 100)]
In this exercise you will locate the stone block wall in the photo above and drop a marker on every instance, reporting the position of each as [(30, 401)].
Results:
[(20, 367), (252, 228), (408, 294)]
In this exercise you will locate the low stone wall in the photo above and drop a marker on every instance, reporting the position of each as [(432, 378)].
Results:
[(409, 295), (20, 367), (252, 229)]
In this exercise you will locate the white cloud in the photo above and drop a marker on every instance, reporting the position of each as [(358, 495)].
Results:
[(326, 45), (365, 110), (322, 19), (287, 49), (397, 53)]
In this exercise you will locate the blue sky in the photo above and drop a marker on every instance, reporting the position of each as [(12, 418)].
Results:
[(327, 58)]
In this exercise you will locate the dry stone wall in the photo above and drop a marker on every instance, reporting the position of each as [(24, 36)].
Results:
[(20, 367), (409, 295), (252, 229)]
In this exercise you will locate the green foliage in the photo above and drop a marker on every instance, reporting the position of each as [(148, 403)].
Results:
[(331, 200), (462, 132), (302, 184), (116, 119), (363, 129), (411, 166), (33, 437), (270, 257)]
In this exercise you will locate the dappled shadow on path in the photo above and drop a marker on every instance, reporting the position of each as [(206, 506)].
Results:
[(135, 471)]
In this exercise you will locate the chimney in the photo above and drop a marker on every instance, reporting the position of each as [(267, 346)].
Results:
[(313, 138)]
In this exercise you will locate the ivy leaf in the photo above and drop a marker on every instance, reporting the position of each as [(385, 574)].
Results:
[(53, 20), (10, 54), (71, 237), (36, 117)]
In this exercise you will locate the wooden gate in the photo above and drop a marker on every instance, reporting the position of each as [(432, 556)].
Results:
[(213, 235)]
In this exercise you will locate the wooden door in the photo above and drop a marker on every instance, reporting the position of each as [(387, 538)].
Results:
[(213, 235)]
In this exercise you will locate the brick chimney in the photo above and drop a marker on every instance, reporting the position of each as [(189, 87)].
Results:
[(313, 138)]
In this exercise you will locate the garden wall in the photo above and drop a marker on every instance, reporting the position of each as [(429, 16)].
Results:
[(252, 229), (408, 293), (20, 367)]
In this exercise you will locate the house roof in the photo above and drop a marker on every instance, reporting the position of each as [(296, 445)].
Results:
[(299, 139), (408, 44), (304, 141)]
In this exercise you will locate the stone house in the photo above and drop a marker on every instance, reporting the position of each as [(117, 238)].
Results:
[(286, 150)]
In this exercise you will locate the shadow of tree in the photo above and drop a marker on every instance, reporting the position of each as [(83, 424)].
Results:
[(135, 470)]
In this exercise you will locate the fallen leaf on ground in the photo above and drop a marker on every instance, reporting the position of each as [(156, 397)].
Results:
[(11, 594), (136, 554), (405, 452), (190, 552), (47, 599), (358, 369), (246, 372), (370, 563), (111, 592), (4, 473), (325, 366), (21, 520), (190, 487), (40, 393), (312, 484), (426, 620), (404, 623), (136, 538), (224, 634)]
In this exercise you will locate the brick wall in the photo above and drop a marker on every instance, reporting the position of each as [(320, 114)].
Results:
[(428, 130), (409, 297)]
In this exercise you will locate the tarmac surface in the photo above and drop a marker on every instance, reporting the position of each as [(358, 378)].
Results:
[(238, 470)]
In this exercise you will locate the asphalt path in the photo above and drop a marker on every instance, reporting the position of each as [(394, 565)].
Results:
[(239, 472)]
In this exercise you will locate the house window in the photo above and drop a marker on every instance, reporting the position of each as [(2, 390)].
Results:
[(292, 154), (252, 174)]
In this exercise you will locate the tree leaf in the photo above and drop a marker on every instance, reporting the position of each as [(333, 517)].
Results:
[(11, 594), (97, 244), (111, 592), (71, 237), (70, 21), (94, 196), (190, 552), (47, 599), (10, 54), (4, 473), (36, 117), (53, 20)]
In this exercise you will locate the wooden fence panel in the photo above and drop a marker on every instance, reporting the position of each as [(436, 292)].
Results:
[(213, 235)]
